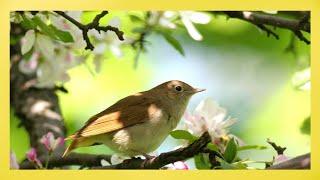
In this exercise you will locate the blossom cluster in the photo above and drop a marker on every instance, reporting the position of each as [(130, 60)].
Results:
[(52, 45), (50, 143)]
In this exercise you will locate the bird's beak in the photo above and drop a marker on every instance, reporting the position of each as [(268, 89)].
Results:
[(196, 90)]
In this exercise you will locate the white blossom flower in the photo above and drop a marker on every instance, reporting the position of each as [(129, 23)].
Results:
[(15, 17), (164, 19), (117, 159), (51, 59), (13, 161), (109, 39), (179, 165), (29, 66), (63, 24), (104, 162), (188, 18), (46, 46), (301, 79), (52, 71), (270, 12), (27, 41), (209, 116)]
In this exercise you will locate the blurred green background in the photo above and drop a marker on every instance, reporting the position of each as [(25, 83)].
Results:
[(245, 71)]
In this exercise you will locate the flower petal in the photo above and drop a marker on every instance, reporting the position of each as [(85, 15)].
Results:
[(46, 46), (27, 41), (180, 165), (29, 66), (200, 18), (193, 32), (32, 154), (104, 163), (209, 109), (117, 159), (13, 161)]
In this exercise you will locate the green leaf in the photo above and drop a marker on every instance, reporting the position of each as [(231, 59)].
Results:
[(226, 165), (305, 126), (52, 31), (135, 18), (27, 56), (44, 27), (212, 147), (173, 42), (237, 165), (202, 161), (182, 134), (231, 151), (247, 147), (138, 30), (27, 23), (63, 36)]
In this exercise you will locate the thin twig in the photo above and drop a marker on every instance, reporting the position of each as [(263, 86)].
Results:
[(279, 149), (261, 19), (93, 25), (267, 30)]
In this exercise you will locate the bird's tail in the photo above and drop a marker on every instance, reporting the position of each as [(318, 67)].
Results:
[(71, 146), (77, 142)]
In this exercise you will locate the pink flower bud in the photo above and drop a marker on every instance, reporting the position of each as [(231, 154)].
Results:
[(50, 142), (32, 155), (180, 165)]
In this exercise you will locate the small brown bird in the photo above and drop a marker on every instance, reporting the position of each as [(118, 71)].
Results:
[(137, 124)]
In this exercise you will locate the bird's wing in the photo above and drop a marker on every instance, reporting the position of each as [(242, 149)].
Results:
[(126, 112)]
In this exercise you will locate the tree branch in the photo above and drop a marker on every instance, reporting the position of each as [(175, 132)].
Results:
[(164, 158), (93, 25), (300, 162), (87, 160), (94, 161), (260, 20), (199, 146)]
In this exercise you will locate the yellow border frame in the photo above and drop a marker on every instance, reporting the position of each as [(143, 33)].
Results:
[(10, 5)]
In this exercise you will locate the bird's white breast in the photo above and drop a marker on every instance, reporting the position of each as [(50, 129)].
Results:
[(144, 137)]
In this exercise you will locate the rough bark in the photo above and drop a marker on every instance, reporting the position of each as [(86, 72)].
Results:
[(38, 109), (85, 160), (299, 162)]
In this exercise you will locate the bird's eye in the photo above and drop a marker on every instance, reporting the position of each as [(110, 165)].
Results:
[(178, 88)]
